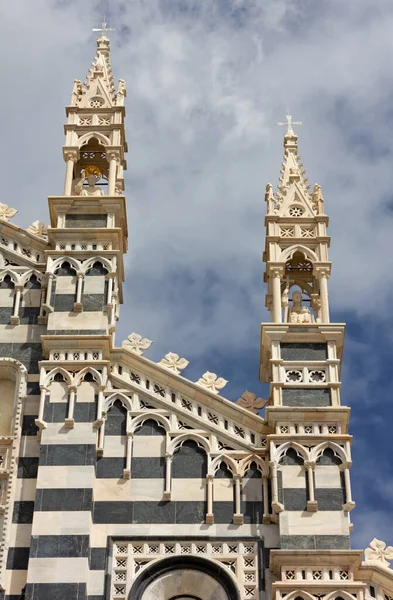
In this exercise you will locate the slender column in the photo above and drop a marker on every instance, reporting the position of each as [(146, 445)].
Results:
[(79, 285), (71, 158), (110, 289), (349, 503), (209, 515), (168, 476), (276, 505), (15, 315), (101, 437), (312, 504), (323, 277), (277, 315), (49, 289), (39, 421), (238, 516), (69, 422), (265, 491), (113, 160), (127, 470)]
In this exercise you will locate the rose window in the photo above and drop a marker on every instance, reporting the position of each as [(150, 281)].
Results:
[(296, 211), (317, 376), (96, 102), (293, 376)]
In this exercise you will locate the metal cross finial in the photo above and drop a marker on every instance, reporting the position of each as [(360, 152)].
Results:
[(289, 123), (104, 28)]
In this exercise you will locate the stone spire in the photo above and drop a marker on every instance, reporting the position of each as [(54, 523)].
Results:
[(293, 196), (99, 90)]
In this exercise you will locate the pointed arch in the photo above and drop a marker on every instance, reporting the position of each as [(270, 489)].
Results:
[(223, 458), (137, 421), (339, 451), (299, 594), (339, 594), (25, 277), (49, 376), (100, 259), (246, 462), (194, 437), (79, 377), (125, 401), (288, 253), (15, 277), (59, 261), (100, 137), (281, 450)]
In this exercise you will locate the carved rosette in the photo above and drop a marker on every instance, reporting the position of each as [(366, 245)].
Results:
[(173, 362), (250, 402), (379, 552), (212, 382), (135, 343)]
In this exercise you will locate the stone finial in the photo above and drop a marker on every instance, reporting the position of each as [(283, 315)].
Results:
[(38, 228), (250, 402), (379, 552), (212, 382), (135, 343), (6, 213), (173, 362)]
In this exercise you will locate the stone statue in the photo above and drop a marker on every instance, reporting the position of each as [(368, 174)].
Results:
[(76, 94), (121, 92), (297, 313), (91, 175)]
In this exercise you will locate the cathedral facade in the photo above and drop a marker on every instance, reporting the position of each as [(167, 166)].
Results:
[(122, 479)]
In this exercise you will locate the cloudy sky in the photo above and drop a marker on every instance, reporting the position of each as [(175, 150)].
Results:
[(207, 81)]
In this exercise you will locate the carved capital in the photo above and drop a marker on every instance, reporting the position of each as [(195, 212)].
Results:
[(309, 464), (113, 155), (70, 155), (276, 272)]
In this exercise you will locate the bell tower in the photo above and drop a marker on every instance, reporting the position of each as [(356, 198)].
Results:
[(301, 353), (88, 231)]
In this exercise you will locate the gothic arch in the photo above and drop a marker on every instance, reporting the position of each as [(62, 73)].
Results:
[(230, 463), (59, 261), (178, 441), (49, 376), (299, 594), (281, 450), (100, 137), (339, 594), (25, 277), (288, 253), (110, 400), (135, 423), (253, 458), (339, 451), (15, 278), (100, 259), (78, 377)]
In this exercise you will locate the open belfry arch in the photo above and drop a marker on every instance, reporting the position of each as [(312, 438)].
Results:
[(122, 479)]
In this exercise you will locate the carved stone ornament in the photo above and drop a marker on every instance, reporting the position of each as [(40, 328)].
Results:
[(379, 552), (250, 402), (173, 362), (212, 382), (135, 343), (38, 228), (6, 212)]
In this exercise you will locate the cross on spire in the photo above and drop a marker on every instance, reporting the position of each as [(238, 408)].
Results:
[(289, 124), (104, 28)]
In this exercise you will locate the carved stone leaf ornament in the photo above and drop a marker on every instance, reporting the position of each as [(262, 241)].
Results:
[(135, 343), (6, 212), (250, 402), (38, 228), (378, 551), (173, 362), (212, 382)]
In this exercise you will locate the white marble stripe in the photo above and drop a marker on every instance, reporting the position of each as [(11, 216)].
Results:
[(57, 570), (56, 433), (96, 583), (22, 334), (74, 476), (61, 523)]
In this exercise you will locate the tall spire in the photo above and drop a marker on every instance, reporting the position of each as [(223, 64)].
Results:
[(99, 90)]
